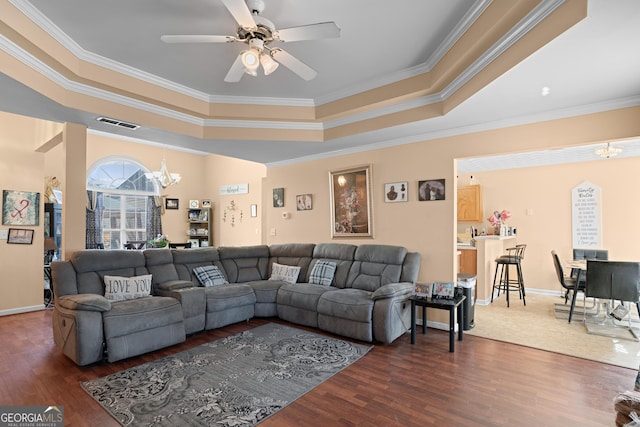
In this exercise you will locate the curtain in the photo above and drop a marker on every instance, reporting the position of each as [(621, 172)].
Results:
[(95, 208), (154, 209)]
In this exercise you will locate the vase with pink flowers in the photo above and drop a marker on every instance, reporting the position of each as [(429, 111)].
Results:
[(498, 220)]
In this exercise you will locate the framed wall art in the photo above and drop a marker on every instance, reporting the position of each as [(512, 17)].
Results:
[(278, 197), (351, 214), (22, 236), (396, 192), (304, 202), (171, 203), (20, 208), (429, 190)]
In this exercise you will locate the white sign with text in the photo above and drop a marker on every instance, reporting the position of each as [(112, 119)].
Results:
[(234, 189), (586, 216)]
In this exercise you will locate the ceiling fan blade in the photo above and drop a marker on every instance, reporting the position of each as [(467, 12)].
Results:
[(235, 72), (241, 13), (198, 39), (322, 30), (294, 64)]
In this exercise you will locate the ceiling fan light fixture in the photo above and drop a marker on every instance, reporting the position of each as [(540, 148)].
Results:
[(250, 61), (268, 64)]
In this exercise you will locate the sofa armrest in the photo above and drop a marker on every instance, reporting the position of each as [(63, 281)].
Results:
[(174, 285), (85, 302), (392, 290)]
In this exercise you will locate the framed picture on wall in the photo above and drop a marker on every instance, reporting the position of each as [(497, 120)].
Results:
[(278, 197), (21, 236), (20, 208), (304, 202), (171, 203), (429, 190), (351, 202), (395, 192)]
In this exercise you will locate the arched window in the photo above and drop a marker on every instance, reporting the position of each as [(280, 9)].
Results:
[(123, 203)]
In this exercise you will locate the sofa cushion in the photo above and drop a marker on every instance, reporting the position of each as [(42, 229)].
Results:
[(246, 263), (286, 273), (295, 254), (119, 288), (92, 265), (210, 275), (322, 273), (375, 266), (341, 254)]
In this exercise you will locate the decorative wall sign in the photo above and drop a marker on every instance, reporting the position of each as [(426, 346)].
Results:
[(396, 192), (226, 190), (20, 208), (433, 189), (586, 221), (351, 202)]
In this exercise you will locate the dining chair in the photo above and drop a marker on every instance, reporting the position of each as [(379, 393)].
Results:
[(614, 280), (569, 283), (593, 254)]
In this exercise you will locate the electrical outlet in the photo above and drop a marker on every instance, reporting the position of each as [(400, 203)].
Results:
[(273, 231)]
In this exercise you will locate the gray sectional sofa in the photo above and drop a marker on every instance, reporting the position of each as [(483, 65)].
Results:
[(366, 299)]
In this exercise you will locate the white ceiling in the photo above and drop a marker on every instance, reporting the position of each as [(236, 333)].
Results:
[(593, 66)]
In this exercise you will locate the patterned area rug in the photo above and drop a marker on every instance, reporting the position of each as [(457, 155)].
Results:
[(234, 381)]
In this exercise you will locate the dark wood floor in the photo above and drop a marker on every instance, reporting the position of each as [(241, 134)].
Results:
[(484, 383)]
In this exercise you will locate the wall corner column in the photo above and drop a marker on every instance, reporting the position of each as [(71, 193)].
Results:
[(75, 193)]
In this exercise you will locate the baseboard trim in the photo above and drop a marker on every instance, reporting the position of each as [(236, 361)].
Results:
[(19, 310)]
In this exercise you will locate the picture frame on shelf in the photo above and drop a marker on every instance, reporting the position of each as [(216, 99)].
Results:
[(195, 243), (206, 203), (351, 209), (171, 204), (395, 192), (20, 236), (430, 190), (194, 204)]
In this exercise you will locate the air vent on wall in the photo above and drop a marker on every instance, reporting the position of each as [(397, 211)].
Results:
[(120, 123)]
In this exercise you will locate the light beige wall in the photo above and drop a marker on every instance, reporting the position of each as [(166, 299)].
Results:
[(428, 227), (21, 169), (223, 171), (539, 199)]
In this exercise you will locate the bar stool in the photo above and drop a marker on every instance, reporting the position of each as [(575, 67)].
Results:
[(514, 257)]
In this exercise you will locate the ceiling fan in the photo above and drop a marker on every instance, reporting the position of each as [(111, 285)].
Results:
[(258, 33)]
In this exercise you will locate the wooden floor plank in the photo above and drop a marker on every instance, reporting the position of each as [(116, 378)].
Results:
[(484, 383)]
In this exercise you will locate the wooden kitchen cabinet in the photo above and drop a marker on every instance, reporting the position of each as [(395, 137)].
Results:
[(470, 203), (468, 261)]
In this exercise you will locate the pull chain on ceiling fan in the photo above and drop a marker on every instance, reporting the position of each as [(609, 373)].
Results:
[(258, 33)]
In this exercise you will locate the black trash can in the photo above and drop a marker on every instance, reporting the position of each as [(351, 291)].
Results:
[(467, 284)]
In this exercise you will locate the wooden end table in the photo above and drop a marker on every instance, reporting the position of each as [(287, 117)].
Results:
[(442, 304)]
